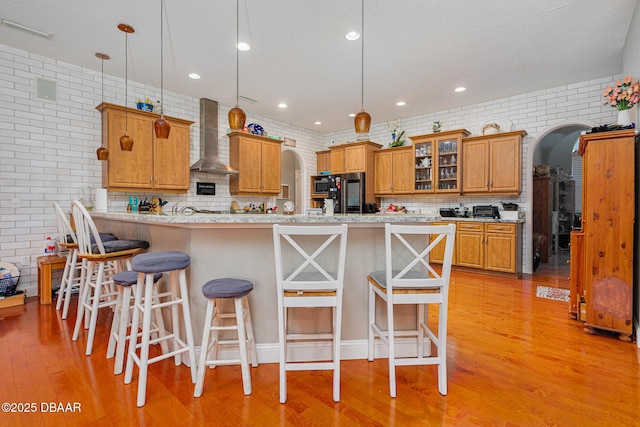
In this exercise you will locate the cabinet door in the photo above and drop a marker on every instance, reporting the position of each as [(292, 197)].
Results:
[(436, 256), (171, 160), (129, 169), (323, 161), (470, 247), (475, 166), (403, 171), (271, 168), (500, 251), (338, 161), (355, 159), (383, 172), (504, 165), (249, 165)]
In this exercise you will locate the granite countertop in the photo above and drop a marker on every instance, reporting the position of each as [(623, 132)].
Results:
[(203, 219)]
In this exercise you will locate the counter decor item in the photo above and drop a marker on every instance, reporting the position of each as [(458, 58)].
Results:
[(490, 129), (623, 96), (436, 126), (145, 105)]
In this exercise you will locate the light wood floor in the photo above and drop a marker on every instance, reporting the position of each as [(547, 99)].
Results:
[(514, 360)]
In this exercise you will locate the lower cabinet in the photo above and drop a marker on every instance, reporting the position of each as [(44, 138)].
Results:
[(490, 246)]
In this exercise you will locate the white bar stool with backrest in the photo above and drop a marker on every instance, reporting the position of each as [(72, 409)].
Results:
[(215, 291), (146, 265), (103, 260), (409, 279), (310, 274), (71, 277), (125, 281)]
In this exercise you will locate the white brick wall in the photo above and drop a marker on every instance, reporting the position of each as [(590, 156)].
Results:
[(47, 149)]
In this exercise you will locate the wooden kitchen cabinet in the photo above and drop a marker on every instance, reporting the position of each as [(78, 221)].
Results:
[(258, 161), (437, 161), (492, 164), (436, 255), (608, 215), (393, 171), (353, 157), (542, 207), (576, 272), (470, 244), (323, 161), (501, 250), (154, 164)]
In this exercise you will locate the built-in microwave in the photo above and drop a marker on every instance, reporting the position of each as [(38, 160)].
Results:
[(321, 185)]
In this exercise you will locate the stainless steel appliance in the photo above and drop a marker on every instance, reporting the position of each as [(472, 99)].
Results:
[(486, 211), (348, 191), (321, 185)]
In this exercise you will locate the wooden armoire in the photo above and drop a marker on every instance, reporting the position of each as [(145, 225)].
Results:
[(608, 218)]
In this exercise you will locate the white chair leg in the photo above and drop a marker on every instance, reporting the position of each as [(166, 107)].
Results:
[(135, 321), (215, 334), (94, 309), (115, 324), (419, 330), (175, 320), (372, 319), (442, 350), (242, 344), (122, 331), (73, 276), (86, 290), (204, 349), (146, 335), (282, 314), (64, 282), (250, 338), (392, 350), (188, 329), (337, 335)]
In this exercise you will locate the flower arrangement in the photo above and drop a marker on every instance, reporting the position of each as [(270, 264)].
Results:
[(397, 139), (624, 95), (436, 126)]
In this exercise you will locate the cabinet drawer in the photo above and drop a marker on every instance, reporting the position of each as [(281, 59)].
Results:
[(470, 226), (500, 228)]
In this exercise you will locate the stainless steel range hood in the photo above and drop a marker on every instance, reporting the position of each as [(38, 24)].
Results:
[(209, 161)]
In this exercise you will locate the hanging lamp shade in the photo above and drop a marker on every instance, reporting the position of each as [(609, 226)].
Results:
[(126, 142), (362, 120), (161, 126), (236, 116), (102, 152)]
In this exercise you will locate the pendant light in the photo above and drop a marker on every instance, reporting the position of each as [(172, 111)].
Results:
[(161, 126), (126, 142), (362, 121), (102, 152), (237, 117)]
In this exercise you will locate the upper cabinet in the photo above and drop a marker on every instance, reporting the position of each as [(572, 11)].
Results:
[(492, 164), (258, 160), (353, 157), (437, 161), (323, 161), (393, 171), (153, 164)]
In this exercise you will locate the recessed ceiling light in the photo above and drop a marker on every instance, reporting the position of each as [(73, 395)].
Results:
[(401, 103), (352, 115), (243, 46), (352, 35), (194, 76), (282, 105), (460, 89), (317, 123)]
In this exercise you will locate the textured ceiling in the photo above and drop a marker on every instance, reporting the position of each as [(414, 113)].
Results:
[(417, 51)]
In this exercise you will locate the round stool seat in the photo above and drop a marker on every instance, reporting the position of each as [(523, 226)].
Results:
[(158, 262), (128, 278), (227, 288)]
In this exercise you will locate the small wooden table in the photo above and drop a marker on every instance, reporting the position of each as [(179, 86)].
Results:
[(46, 264)]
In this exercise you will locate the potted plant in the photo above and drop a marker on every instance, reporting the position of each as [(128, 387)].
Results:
[(397, 139), (623, 97)]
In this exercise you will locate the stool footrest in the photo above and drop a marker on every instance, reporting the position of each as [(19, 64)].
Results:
[(305, 366), (222, 362)]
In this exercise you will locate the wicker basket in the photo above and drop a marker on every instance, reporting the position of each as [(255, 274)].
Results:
[(8, 285)]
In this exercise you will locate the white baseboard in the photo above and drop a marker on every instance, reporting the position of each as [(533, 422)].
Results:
[(313, 350)]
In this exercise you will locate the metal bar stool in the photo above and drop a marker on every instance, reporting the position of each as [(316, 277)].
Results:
[(215, 291), (146, 265), (125, 280)]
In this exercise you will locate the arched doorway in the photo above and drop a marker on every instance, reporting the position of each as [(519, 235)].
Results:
[(555, 142), (292, 171)]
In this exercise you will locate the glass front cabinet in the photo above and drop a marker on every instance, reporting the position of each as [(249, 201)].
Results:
[(438, 161)]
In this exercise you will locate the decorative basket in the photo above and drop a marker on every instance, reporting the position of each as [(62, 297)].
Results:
[(9, 284)]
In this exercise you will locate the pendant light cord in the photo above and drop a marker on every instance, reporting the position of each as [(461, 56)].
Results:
[(161, 57), (237, 54), (362, 61), (126, 85)]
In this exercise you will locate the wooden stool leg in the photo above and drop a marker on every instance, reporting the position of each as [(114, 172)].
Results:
[(242, 344), (204, 349), (250, 337)]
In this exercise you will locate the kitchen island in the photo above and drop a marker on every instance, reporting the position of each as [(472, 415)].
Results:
[(241, 245)]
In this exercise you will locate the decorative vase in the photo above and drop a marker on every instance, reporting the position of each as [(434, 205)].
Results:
[(362, 123), (624, 117), (237, 118)]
